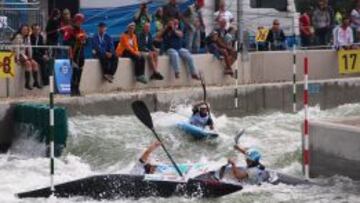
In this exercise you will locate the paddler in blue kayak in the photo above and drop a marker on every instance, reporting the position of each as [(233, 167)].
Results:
[(201, 116), (254, 173), (144, 166)]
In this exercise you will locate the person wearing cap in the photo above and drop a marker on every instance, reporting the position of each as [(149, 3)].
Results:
[(141, 17), (221, 50), (103, 49), (146, 47), (77, 41), (128, 48), (200, 116), (254, 172)]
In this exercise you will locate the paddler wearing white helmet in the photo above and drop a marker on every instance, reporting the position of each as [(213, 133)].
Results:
[(201, 115)]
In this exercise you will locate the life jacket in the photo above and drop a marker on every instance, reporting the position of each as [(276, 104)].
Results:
[(199, 121)]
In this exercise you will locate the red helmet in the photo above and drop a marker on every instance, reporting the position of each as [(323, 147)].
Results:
[(79, 18)]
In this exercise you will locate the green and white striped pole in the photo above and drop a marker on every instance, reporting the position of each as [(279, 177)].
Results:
[(52, 123)]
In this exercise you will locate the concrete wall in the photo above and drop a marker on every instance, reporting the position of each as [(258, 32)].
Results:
[(335, 148), (253, 99), (263, 67)]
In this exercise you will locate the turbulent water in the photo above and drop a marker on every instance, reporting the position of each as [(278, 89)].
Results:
[(112, 144)]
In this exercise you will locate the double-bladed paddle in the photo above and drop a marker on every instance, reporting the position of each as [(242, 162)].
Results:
[(143, 114)]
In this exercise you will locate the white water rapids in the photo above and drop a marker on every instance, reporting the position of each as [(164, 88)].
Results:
[(112, 144)]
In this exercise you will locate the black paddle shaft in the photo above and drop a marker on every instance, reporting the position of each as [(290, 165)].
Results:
[(143, 114), (205, 94)]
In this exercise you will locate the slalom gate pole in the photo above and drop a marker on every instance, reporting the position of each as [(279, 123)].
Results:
[(294, 79), (51, 123), (306, 119), (236, 95)]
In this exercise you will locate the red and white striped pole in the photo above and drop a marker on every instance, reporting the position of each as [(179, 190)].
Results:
[(306, 119)]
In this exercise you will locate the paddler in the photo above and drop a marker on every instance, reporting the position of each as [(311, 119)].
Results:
[(144, 166), (254, 172), (201, 116)]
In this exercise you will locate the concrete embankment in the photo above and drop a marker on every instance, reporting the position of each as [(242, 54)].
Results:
[(252, 99), (262, 67), (335, 148)]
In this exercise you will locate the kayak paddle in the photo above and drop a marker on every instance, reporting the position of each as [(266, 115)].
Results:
[(143, 114)]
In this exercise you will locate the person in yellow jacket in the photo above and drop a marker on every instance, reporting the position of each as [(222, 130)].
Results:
[(128, 48)]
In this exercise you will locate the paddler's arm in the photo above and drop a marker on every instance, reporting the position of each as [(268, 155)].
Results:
[(238, 174), (240, 149), (211, 124), (145, 156)]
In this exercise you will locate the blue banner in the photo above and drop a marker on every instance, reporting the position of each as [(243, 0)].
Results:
[(63, 73)]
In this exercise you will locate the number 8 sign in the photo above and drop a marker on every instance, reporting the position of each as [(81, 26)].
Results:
[(349, 61), (7, 64)]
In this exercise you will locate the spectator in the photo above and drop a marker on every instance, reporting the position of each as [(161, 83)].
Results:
[(24, 56), (141, 17), (276, 37), (343, 35), (52, 28), (220, 50), (159, 20), (194, 25), (128, 47), (172, 41), (355, 21), (306, 30), (322, 23), (103, 49), (222, 13), (171, 11), (66, 27), (77, 42), (40, 54), (147, 49), (224, 32)]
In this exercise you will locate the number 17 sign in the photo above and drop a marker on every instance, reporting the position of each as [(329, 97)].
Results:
[(349, 61)]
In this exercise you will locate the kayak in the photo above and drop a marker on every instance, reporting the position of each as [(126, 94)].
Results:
[(115, 186), (196, 132)]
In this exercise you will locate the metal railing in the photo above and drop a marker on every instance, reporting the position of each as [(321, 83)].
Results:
[(14, 14)]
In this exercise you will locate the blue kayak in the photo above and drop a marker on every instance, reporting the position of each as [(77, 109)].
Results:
[(196, 132)]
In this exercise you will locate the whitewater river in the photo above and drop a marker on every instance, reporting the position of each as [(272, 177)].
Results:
[(112, 144)]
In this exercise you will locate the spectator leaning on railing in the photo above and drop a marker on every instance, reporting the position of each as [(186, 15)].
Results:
[(355, 21), (77, 41), (128, 48), (343, 35), (141, 17), (148, 50), (24, 56), (321, 20), (103, 49), (52, 28), (171, 11), (306, 30), (194, 25), (40, 54), (222, 13), (172, 41), (276, 37)]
